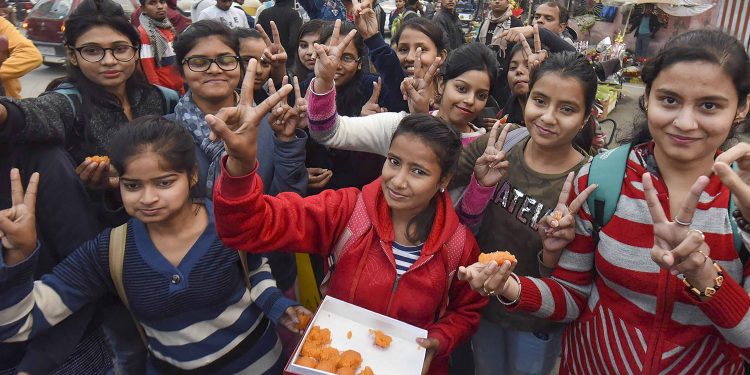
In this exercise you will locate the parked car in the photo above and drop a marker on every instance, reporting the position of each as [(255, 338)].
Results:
[(45, 25), (23, 7)]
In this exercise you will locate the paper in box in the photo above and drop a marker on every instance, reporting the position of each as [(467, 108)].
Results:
[(403, 357)]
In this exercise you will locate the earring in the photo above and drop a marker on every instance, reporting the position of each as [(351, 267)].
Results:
[(442, 190)]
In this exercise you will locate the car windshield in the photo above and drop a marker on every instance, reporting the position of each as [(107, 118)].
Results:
[(54, 9)]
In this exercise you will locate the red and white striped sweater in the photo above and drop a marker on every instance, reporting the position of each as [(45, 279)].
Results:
[(628, 315)]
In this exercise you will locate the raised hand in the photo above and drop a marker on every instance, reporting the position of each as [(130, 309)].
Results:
[(98, 175), (491, 279), (372, 107), (238, 126), (677, 247), (516, 34), (329, 58), (538, 55), (557, 229), (274, 52), (300, 104), (418, 89), (365, 19), (18, 223), (283, 118), (490, 168), (738, 182)]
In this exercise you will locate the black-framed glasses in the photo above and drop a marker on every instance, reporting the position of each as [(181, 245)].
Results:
[(348, 59), (202, 64), (123, 53)]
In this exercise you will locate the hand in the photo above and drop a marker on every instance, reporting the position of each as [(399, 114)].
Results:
[(432, 345), (329, 58), (492, 165), (517, 34), (738, 182), (372, 107), (677, 247), (491, 279), (489, 122), (289, 318), (418, 89), (558, 229), (318, 178), (238, 126), (283, 118), (18, 223), (98, 175), (274, 52), (538, 55), (300, 104), (365, 20)]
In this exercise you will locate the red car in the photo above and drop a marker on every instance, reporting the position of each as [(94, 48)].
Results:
[(46, 22)]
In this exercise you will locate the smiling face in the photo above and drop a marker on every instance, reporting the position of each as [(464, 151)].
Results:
[(518, 75), (253, 48), (555, 111), (549, 18), (109, 73), (214, 84), (156, 9), (406, 50), (349, 65), (464, 97), (151, 193), (411, 175), (690, 119), (305, 50)]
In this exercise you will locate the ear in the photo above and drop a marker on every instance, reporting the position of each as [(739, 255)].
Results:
[(71, 54), (194, 179), (443, 54), (445, 181), (742, 111)]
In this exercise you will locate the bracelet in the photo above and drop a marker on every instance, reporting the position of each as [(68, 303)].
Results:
[(741, 222), (710, 291), (515, 301)]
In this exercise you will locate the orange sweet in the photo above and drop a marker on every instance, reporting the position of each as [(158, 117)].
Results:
[(381, 339), (303, 319), (345, 371), (329, 354), (367, 371), (321, 336), (498, 256), (327, 366), (349, 335), (310, 349), (306, 362), (350, 358), (98, 159)]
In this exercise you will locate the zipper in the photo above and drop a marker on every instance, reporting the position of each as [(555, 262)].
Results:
[(398, 278)]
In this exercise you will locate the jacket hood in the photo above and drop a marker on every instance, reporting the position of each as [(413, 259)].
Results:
[(446, 221)]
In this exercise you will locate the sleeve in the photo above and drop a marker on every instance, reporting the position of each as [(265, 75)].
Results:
[(203, 15), (264, 292), (563, 296), (386, 62), (365, 134), (148, 64), (46, 119), (553, 42), (30, 308), (24, 56), (249, 221), (473, 203), (289, 172), (461, 318)]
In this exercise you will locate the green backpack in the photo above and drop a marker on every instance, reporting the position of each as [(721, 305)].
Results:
[(608, 171), (396, 24)]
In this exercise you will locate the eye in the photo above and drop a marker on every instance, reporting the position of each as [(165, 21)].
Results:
[(403, 50), (709, 106), (483, 96), (460, 88), (131, 186), (419, 172), (567, 109), (668, 100), (164, 183), (394, 162), (539, 101), (303, 45)]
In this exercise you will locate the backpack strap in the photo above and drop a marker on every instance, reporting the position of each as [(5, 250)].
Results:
[(607, 170), (739, 245), (355, 228), (72, 94), (117, 238), (170, 100)]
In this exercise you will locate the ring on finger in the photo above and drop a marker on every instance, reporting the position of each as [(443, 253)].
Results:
[(488, 292), (705, 257), (702, 236), (680, 222)]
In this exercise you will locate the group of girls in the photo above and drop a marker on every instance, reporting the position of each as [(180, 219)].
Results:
[(225, 170)]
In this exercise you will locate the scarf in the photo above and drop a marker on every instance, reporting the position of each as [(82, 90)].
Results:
[(158, 41), (502, 23), (193, 119)]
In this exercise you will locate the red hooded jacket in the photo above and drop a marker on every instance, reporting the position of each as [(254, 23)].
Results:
[(366, 273)]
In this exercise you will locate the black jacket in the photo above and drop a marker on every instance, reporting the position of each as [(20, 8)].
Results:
[(452, 28), (287, 21)]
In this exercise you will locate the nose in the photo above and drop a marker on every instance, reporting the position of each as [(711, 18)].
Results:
[(548, 116), (213, 68), (149, 196), (411, 56), (109, 57), (469, 99), (399, 180), (685, 120)]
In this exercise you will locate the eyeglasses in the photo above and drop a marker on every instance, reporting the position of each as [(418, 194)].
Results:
[(262, 61), (348, 59), (123, 53), (202, 64)]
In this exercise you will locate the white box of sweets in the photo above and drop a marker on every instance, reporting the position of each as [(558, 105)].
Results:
[(403, 357)]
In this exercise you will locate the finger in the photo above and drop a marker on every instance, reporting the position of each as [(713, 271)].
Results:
[(493, 136), (375, 92), (418, 63), (565, 192), (246, 92), (729, 178), (16, 187), (29, 199), (297, 91), (428, 343), (736, 152), (263, 35), (321, 52), (577, 203), (652, 200), (526, 48), (692, 243), (87, 173), (275, 33), (98, 174), (432, 70), (266, 105), (347, 39), (662, 257), (687, 209), (220, 129), (335, 36), (501, 138), (81, 167), (537, 39), (271, 87), (497, 281)]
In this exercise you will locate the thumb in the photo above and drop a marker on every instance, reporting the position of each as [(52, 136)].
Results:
[(463, 273), (728, 176), (375, 92), (428, 343), (219, 128)]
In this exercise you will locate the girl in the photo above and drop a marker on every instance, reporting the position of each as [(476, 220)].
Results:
[(411, 239), (183, 286), (309, 34), (664, 274), (271, 56), (105, 89), (523, 179), (395, 64)]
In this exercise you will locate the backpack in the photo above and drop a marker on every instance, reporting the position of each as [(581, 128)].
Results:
[(74, 97), (357, 228), (608, 171), (396, 24)]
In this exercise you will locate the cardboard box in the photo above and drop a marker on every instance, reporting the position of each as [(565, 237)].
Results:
[(403, 357)]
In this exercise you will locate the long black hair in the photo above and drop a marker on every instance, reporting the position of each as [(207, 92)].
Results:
[(445, 142), (349, 98), (710, 46), (297, 68)]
